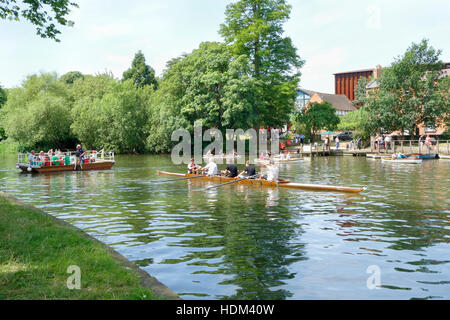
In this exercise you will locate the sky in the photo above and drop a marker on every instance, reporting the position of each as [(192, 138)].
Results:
[(331, 36)]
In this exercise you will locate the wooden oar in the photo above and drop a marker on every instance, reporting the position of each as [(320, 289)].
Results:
[(185, 178), (224, 184)]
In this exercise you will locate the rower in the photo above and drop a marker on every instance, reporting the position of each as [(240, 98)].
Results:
[(231, 170), (287, 156), (282, 157), (192, 167), (272, 171), (250, 170), (211, 168)]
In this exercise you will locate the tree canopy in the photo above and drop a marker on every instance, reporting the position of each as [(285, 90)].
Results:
[(140, 73), (317, 116), (44, 14), (411, 92), (254, 28)]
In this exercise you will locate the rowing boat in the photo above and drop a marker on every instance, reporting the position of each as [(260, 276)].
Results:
[(261, 182), (403, 160)]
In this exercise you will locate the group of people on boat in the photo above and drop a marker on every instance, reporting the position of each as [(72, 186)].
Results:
[(231, 170), (57, 158)]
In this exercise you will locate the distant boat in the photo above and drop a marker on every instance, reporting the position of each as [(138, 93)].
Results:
[(423, 156), (402, 160)]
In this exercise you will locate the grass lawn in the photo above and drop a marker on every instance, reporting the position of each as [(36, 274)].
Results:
[(36, 251)]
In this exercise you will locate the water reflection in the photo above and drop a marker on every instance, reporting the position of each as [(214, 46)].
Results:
[(249, 242)]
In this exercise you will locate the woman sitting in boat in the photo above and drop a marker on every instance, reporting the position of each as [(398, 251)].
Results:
[(192, 167)]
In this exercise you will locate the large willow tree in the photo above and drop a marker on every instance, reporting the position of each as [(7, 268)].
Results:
[(254, 28)]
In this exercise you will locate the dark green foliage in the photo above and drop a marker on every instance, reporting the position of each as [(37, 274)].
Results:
[(42, 13), (140, 73), (71, 77), (317, 116)]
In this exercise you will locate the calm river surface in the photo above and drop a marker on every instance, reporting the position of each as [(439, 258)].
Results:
[(243, 242)]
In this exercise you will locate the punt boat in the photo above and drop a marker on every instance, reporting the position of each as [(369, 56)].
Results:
[(261, 182), (66, 162)]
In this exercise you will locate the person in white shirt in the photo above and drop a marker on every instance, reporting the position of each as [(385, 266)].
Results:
[(288, 156), (211, 168), (272, 171)]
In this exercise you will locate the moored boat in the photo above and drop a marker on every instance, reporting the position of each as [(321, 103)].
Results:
[(261, 182), (402, 160), (422, 156)]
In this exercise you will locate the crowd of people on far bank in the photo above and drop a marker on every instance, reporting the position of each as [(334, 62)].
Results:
[(386, 142)]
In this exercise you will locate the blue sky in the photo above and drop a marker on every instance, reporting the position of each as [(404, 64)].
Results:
[(332, 36)]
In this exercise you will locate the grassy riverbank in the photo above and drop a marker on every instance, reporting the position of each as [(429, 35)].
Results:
[(36, 251)]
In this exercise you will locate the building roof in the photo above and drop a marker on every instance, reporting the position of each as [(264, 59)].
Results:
[(356, 71), (309, 92), (339, 101)]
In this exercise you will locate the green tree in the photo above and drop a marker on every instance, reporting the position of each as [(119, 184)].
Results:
[(361, 92), (42, 13), (355, 121), (112, 114), (141, 73), (254, 28), (37, 115), (71, 77), (317, 116), (410, 92), (3, 98), (210, 85)]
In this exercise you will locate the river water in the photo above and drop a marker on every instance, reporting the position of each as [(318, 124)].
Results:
[(247, 242)]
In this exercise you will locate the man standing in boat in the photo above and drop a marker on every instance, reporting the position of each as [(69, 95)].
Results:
[(79, 154)]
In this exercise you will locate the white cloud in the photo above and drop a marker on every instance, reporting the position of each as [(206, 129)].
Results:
[(317, 74)]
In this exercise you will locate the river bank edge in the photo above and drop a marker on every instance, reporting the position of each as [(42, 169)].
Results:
[(146, 281)]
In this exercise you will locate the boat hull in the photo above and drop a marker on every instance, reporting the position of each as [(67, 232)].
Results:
[(404, 160), (261, 182)]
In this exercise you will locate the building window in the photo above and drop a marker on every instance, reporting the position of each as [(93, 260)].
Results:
[(302, 100)]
